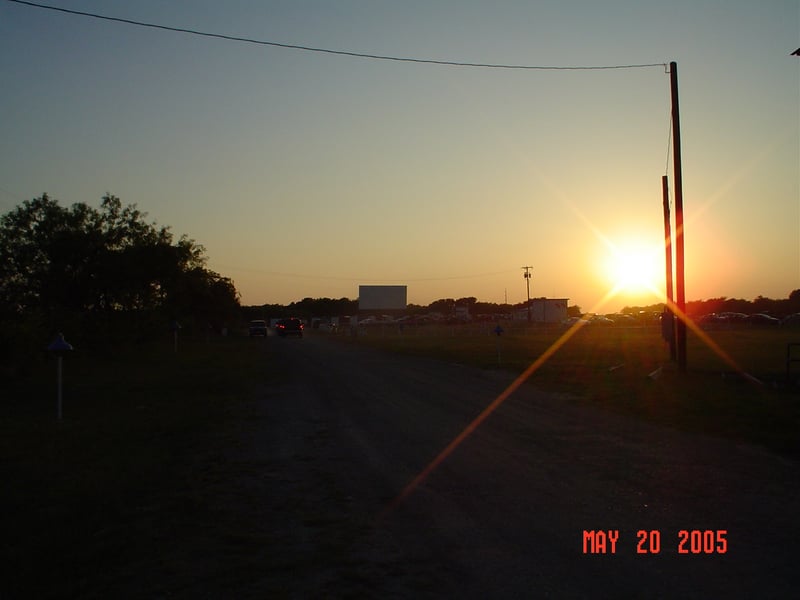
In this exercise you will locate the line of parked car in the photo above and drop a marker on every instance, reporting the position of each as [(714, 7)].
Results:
[(759, 319), (295, 327), (283, 328), (711, 320), (620, 320)]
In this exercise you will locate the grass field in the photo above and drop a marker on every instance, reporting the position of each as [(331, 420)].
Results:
[(110, 497), (611, 367)]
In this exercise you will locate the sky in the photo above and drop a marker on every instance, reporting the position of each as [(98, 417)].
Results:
[(307, 174)]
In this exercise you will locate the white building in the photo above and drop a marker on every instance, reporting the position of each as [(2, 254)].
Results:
[(544, 310)]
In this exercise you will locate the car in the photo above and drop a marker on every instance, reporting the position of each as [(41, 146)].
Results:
[(286, 327), (600, 320), (257, 327), (791, 320), (732, 317), (762, 319), (623, 319), (709, 319), (574, 322)]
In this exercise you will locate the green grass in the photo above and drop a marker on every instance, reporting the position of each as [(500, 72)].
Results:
[(610, 368), (99, 500)]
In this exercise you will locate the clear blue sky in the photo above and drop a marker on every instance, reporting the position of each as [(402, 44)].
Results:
[(306, 174)]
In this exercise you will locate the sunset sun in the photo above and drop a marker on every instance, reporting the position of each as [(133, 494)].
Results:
[(635, 268)]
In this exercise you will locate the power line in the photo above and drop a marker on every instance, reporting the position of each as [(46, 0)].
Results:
[(359, 279), (669, 146), (449, 63)]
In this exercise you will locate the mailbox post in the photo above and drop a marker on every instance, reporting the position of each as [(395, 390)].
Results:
[(59, 347), (498, 331), (175, 327)]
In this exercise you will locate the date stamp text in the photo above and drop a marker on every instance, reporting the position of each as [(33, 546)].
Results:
[(686, 541)]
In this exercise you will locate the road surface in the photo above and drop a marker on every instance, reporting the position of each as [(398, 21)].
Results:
[(506, 514)]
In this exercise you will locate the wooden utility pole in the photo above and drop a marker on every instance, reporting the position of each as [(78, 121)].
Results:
[(680, 291), (668, 312)]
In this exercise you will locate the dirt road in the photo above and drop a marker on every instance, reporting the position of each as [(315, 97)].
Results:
[(505, 514)]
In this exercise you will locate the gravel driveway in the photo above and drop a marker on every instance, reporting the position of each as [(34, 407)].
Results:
[(505, 514)]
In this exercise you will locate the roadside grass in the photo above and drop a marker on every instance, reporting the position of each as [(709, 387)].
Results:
[(611, 368), (111, 497)]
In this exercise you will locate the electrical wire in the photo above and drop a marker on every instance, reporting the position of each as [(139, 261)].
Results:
[(449, 63), (360, 279), (669, 146)]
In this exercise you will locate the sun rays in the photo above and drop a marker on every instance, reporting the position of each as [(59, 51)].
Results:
[(630, 266)]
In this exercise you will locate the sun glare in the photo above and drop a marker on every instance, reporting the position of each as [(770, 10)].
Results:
[(635, 268)]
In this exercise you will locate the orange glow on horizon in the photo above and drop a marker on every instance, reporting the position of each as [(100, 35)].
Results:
[(633, 266)]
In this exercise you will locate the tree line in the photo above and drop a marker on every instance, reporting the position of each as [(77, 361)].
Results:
[(333, 307), (103, 274), (308, 308)]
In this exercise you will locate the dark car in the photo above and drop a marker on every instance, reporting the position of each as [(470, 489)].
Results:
[(763, 319), (286, 327), (257, 327), (791, 320)]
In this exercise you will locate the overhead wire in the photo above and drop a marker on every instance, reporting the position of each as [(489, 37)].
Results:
[(345, 53), (361, 279), (669, 146), (449, 63)]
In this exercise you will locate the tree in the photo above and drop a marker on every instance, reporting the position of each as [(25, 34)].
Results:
[(94, 265), (793, 303), (323, 307), (444, 306)]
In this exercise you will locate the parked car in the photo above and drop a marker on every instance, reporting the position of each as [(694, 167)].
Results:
[(286, 327), (709, 319), (762, 319), (791, 320), (574, 321), (257, 327), (623, 319), (732, 317), (600, 320)]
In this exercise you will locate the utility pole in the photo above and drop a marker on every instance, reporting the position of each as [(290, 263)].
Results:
[(669, 314), (528, 285), (680, 329)]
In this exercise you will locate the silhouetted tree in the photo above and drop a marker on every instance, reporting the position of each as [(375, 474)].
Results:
[(574, 311), (93, 265), (793, 302), (322, 307), (445, 306)]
